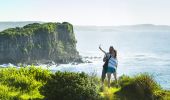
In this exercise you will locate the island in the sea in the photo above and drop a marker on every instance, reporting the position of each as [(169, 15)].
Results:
[(36, 42)]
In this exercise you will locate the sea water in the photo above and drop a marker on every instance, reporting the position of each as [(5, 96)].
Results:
[(138, 52)]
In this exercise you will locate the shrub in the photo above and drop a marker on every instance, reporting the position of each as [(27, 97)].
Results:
[(70, 86), (22, 83), (4, 93), (140, 87), (123, 80)]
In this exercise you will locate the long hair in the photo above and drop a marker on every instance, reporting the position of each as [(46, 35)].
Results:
[(115, 51)]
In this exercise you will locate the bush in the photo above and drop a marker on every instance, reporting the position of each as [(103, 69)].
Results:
[(140, 87), (70, 86), (37, 84), (22, 83), (4, 93)]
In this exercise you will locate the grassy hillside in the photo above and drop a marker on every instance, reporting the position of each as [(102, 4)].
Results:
[(139, 87), (39, 84), (31, 29), (23, 83)]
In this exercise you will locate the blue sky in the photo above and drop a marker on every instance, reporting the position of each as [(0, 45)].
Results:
[(88, 12)]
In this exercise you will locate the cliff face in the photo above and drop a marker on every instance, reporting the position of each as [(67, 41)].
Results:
[(36, 42)]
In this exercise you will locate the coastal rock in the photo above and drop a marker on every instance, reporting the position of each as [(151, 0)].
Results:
[(35, 42)]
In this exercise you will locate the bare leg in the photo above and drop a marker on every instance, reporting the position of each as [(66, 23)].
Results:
[(102, 82), (115, 76), (109, 77)]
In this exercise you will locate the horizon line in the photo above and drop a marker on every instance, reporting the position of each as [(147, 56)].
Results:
[(151, 24)]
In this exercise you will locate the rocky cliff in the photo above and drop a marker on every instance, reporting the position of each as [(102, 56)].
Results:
[(35, 42)]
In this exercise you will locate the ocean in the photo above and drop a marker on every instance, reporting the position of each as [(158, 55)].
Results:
[(141, 51)]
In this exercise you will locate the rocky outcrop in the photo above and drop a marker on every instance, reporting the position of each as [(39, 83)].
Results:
[(36, 42)]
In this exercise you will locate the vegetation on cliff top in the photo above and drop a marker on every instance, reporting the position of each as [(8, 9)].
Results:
[(38, 84), (31, 28)]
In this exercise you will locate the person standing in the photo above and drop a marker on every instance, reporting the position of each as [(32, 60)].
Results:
[(111, 56)]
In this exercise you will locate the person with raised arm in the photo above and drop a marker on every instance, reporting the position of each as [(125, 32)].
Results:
[(110, 65)]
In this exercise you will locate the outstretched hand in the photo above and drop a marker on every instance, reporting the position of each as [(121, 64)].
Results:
[(100, 47)]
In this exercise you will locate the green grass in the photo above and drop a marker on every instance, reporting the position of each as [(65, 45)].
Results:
[(139, 87), (109, 93), (31, 83), (31, 29), (23, 83)]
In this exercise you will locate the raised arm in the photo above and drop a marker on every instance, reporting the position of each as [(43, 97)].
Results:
[(102, 50)]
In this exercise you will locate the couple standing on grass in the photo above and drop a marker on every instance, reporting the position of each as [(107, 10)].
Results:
[(110, 65)]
